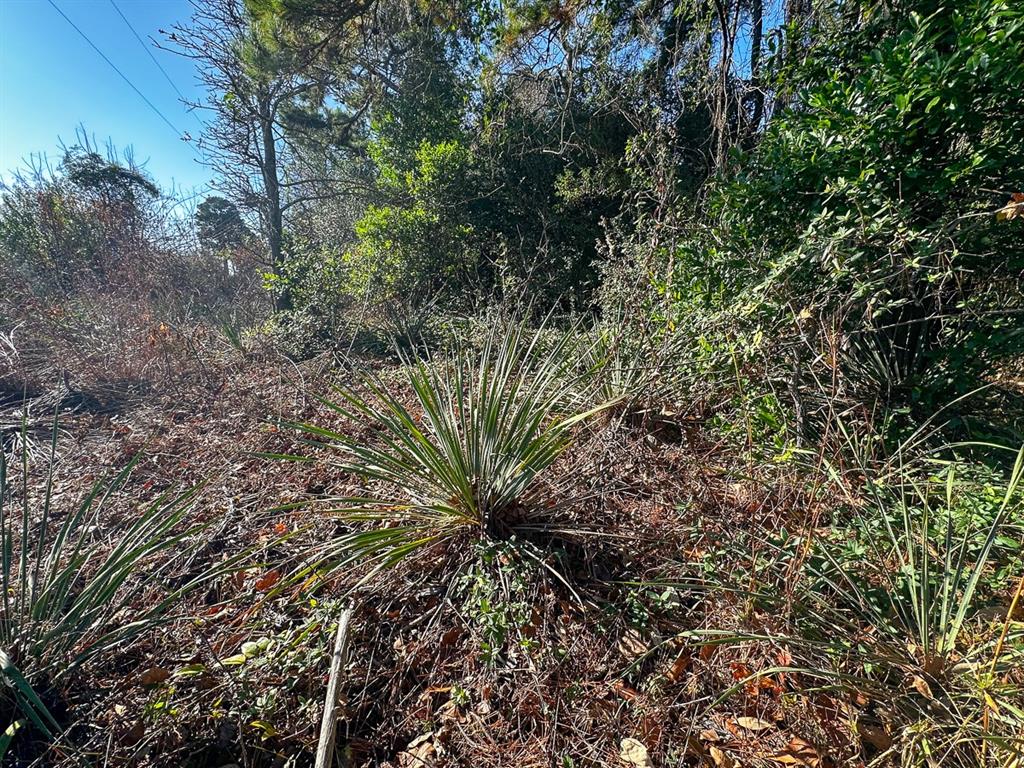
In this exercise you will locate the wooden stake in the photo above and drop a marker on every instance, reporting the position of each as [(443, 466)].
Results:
[(329, 724)]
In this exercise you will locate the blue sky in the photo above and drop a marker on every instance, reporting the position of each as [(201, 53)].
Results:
[(52, 81)]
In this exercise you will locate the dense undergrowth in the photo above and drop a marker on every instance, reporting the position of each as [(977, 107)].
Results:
[(667, 415), (539, 570)]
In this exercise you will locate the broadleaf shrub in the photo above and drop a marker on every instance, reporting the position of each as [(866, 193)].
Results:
[(865, 220)]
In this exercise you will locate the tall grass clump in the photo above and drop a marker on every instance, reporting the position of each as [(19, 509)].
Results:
[(464, 455), (74, 587)]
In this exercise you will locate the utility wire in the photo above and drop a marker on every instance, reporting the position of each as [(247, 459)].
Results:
[(148, 52), (124, 77)]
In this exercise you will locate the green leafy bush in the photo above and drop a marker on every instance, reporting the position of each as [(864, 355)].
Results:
[(420, 244), (317, 284), (869, 207)]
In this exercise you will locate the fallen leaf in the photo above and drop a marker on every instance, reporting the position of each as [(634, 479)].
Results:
[(753, 723), (1013, 209), (632, 645), (420, 752), (625, 691), (633, 752), (451, 637), (679, 666), (720, 758), (154, 676), (269, 579), (134, 734), (798, 752), (650, 728), (875, 735), (922, 687), (740, 670)]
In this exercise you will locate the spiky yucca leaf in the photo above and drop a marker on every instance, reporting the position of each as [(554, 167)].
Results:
[(629, 364), (889, 624)]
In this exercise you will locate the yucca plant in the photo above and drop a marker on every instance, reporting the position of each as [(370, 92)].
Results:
[(906, 605), (888, 619), (466, 456), (629, 365), (74, 587)]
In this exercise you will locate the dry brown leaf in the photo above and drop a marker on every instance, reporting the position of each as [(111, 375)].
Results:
[(679, 666), (134, 734), (650, 728), (625, 691), (451, 637), (1013, 209), (922, 687), (875, 735), (633, 752), (753, 723), (268, 580), (154, 676), (720, 758), (798, 752), (632, 645), (420, 753)]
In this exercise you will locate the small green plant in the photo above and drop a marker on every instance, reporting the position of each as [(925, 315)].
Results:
[(465, 458), (886, 608), (498, 597), (629, 365), (64, 584)]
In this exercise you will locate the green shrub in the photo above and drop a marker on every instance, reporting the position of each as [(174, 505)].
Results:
[(866, 218), (419, 244)]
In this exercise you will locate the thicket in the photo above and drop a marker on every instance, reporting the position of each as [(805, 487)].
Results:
[(824, 178), (788, 237), (862, 232), (108, 282)]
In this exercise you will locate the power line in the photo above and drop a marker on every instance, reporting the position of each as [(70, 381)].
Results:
[(124, 77), (148, 52)]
